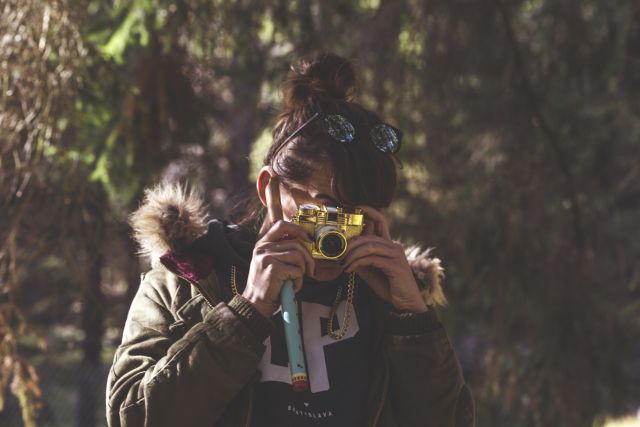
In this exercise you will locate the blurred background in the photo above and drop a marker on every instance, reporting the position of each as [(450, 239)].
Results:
[(521, 168)]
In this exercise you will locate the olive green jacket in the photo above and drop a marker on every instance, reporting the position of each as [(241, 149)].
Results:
[(189, 359)]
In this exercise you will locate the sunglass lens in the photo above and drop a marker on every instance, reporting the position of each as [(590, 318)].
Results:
[(385, 138), (339, 128)]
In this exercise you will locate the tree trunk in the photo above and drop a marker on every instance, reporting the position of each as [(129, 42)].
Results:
[(90, 376), (243, 126)]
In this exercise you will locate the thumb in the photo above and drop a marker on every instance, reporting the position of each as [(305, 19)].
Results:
[(297, 284)]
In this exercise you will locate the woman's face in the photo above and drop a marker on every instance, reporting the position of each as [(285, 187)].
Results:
[(317, 191)]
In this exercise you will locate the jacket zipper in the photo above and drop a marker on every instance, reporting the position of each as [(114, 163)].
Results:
[(207, 297), (210, 304), (249, 407), (384, 392), (199, 288)]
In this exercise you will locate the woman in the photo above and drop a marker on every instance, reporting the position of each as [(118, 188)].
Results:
[(204, 345)]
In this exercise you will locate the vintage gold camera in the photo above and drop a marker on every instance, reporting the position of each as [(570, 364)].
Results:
[(329, 227)]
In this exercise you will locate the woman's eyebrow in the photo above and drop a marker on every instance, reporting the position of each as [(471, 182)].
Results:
[(324, 196)]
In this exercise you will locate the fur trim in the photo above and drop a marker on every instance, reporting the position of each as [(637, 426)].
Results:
[(429, 274), (169, 219)]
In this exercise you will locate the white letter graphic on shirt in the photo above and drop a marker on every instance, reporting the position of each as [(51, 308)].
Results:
[(314, 344)]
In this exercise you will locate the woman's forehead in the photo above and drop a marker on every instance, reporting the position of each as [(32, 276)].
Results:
[(317, 185), (320, 181), (314, 187)]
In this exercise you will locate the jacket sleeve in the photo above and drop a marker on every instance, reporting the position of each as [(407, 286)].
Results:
[(425, 378), (158, 380)]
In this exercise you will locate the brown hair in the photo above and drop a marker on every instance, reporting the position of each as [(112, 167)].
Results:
[(362, 174)]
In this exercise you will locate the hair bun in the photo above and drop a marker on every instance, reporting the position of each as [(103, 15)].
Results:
[(326, 76)]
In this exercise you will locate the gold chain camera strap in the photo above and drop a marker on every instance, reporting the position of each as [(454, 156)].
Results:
[(347, 314)]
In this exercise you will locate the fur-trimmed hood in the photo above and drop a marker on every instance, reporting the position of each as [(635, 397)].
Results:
[(173, 220)]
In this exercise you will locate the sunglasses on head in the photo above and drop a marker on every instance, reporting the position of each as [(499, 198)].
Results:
[(385, 137)]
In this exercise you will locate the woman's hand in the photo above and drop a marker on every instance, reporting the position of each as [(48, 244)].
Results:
[(383, 264), (277, 256)]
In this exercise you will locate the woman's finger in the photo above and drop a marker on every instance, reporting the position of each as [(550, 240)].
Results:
[(363, 240), (285, 230), (296, 247), (289, 258), (381, 226), (369, 228), (352, 266), (293, 272), (381, 262), (368, 245)]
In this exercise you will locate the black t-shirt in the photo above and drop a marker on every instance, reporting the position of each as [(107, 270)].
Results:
[(339, 370)]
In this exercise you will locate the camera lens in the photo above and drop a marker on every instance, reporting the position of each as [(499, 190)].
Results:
[(332, 244)]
